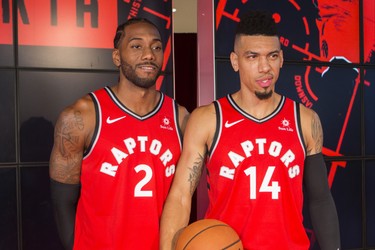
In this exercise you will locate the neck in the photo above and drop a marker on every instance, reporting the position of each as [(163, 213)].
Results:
[(140, 101), (256, 107)]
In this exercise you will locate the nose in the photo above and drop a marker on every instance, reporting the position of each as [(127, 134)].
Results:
[(264, 65), (148, 54)]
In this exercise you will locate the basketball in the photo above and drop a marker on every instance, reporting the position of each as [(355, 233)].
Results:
[(208, 234)]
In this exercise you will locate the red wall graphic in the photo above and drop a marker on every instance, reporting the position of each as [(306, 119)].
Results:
[(325, 69), (6, 36)]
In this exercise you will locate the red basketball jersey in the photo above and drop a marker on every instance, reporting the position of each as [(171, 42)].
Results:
[(126, 175), (255, 172)]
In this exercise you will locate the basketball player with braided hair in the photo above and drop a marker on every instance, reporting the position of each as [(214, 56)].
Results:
[(115, 151), (260, 148)]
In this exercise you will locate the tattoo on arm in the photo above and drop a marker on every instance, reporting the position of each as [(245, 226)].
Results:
[(66, 163), (195, 173), (78, 120), (317, 133), (64, 133)]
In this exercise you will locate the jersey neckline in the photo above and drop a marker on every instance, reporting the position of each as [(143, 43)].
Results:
[(130, 112)]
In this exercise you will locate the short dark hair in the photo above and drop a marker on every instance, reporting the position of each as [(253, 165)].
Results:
[(257, 22), (120, 31)]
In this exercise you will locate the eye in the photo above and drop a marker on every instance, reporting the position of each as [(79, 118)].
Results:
[(135, 46), (157, 48), (251, 56), (274, 56)]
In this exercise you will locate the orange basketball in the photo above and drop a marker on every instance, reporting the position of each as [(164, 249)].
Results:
[(208, 234)]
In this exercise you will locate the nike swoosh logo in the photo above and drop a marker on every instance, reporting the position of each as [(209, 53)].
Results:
[(110, 121), (228, 125)]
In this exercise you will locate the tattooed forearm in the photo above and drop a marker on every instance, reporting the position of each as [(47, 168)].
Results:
[(63, 171), (317, 132), (195, 173)]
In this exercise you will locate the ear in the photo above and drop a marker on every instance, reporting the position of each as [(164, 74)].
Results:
[(234, 61), (281, 58), (116, 57)]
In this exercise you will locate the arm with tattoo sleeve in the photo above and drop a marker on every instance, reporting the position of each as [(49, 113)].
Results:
[(65, 165), (321, 204)]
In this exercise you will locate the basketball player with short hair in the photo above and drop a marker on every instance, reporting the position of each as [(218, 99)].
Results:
[(261, 149), (115, 151)]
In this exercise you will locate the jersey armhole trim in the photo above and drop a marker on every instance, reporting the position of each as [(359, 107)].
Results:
[(217, 129), (299, 126), (177, 121), (97, 122)]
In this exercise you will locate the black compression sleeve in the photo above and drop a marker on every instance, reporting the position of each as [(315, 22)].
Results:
[(321, 205), (64, 201)]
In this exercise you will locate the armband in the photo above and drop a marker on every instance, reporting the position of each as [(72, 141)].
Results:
[(64, 200), (321, 205)]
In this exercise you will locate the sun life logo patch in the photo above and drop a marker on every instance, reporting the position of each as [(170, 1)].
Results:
[(166, 123), (285, 125)]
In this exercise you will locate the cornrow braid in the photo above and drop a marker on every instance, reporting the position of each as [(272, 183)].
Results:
[(120, 31)]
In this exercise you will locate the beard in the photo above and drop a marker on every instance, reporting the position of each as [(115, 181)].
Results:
[(264, 95), (131, 75)]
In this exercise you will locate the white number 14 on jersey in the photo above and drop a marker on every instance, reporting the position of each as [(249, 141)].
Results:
[(274, 188)]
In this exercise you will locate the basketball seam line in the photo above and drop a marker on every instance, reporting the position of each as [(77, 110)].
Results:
[(234, 243), (202, 232)]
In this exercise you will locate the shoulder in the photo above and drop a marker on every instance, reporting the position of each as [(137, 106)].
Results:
[(204, 113), (309, 117), (311, 129), (202, 123), (83, 107), (78, 117), (183, 116), (199, 115)]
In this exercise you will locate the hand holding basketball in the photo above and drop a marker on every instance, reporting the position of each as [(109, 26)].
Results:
[(208, 234)]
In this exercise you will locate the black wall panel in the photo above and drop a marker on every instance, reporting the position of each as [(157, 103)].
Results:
[(370, 202), (7, 116), (369, 109), (38, 224), (8, 208)]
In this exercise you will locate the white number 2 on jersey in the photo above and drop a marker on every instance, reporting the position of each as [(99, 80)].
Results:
[(274, 188), (138, 190)]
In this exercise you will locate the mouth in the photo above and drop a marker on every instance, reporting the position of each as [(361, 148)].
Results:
[(265, 82), (148, 67)]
